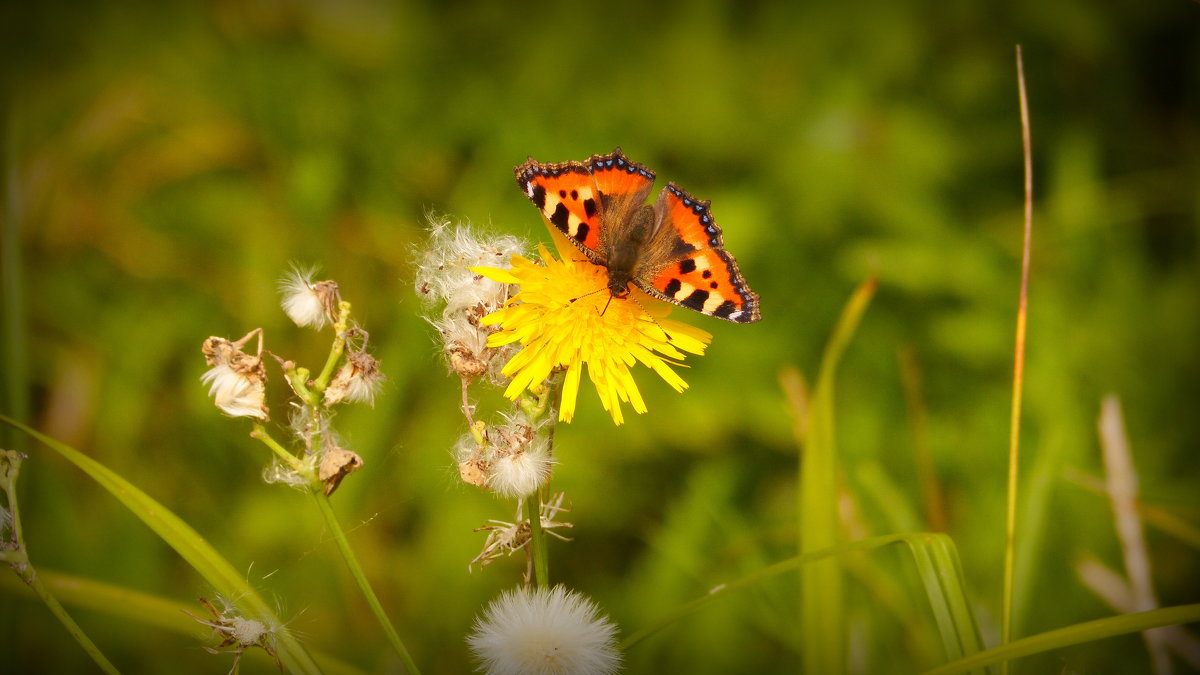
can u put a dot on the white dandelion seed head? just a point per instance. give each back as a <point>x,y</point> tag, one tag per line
<point>443,274</point>
<point>358,380</point>
<point>544,632</point>
<point>520,474</point>
<point>306,302</point>
<point>520,459</point>
<point>465,447</point>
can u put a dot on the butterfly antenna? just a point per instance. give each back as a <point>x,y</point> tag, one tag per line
<point>572,300</point>
<point>651,317</point>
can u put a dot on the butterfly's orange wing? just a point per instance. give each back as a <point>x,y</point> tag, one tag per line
<point>686,262</point>
<point>587,201</point>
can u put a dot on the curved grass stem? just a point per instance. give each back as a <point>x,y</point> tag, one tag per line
<point>1010,520</point>
<point>361,579</point>
<point>18,558</point>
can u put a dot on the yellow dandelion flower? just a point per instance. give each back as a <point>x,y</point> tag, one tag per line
<point>564,317</point>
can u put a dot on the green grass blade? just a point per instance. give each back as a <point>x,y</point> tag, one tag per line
<point>771,571</point>
<point>1089,631</point>
<point>940,570</point>
<point>821,615</point>
<point>209,563</point>
<point>150,610</point>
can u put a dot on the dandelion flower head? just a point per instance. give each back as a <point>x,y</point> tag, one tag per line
<point>549,631</point>
<point>564,317</point>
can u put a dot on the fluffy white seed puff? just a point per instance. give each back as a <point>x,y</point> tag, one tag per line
<point>308,303</point>
<point>521,471</point>
<point>544,632</point>
<point>444,279</point>
<point>237,381</point>
<point>234,393</point>
<point>358,380</point>
<point>443,274</point>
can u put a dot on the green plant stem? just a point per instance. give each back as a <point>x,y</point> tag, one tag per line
<point>546,402</point>
<point>335,352</point>
<point>365,586</point>
<point>18,559</point>
<point>260,432</point>
<point>30,577</point>
<point>298,379</point>
<point>537,539</point>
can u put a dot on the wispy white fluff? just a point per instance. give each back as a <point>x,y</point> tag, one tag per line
<point>519,459</point>
<point>301,300</point>
<point>544,632</point>
<point>443,267</point>
<point>444,280</point>
<point>235,393</point>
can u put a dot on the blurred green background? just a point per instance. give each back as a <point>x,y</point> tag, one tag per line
<point>164,162</point>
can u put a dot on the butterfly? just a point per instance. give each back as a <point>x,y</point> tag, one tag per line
<point>671,249</point>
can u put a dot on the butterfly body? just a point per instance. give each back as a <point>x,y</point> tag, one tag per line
<point>671,249</point>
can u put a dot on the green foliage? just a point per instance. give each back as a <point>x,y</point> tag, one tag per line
<point>163,163</point>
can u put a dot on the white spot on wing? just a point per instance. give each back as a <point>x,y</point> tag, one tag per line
<point>714,301</point>
<point>684,291</point>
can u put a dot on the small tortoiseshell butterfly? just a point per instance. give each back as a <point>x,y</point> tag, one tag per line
<point>672,249</point>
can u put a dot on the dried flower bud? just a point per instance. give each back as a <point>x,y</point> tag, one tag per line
<point>336,465</point>
<point>474,472</point>
<point>309,303</point>
<point>237,380</point>
<point>238,632</point>
<point>358,380</point>
<point>464,362</point>
<point>507,538</point>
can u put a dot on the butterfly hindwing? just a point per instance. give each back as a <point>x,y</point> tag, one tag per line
<point>708,281</point>
<point>686,262</point>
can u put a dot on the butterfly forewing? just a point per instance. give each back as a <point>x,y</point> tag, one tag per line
<point>567,196</point>
<point>623,188</point>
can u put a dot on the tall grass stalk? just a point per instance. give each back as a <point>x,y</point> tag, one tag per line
<point>1010,519</point>
<point>18,558</point>
<point>821,617</point>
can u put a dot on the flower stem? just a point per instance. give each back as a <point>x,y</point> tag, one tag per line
<point>260,432</point>
<point>365,586</point>
<point>537,539</point>
<point>18,558</point>
<point>547,401</point>
<point>335,352</point>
